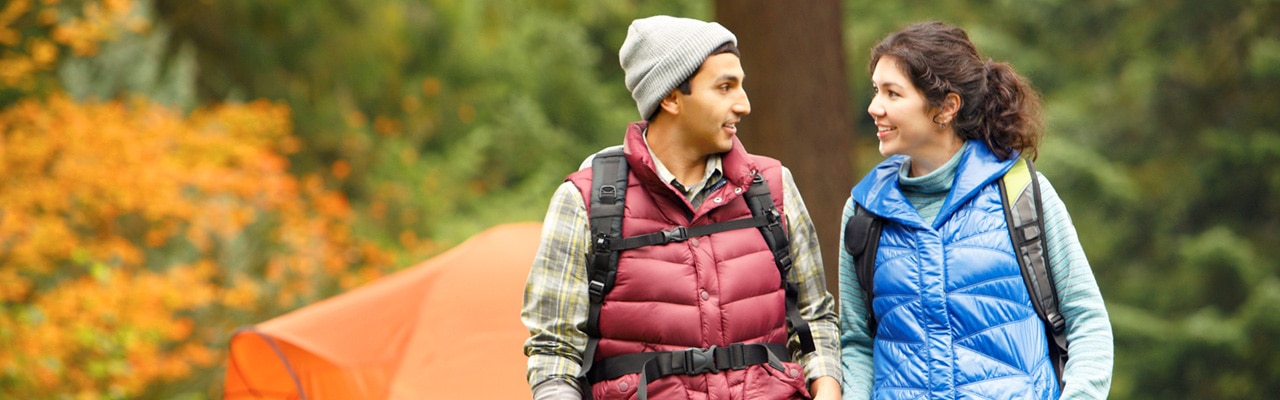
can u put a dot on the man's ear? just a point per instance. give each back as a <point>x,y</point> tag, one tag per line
<point>672,103</point>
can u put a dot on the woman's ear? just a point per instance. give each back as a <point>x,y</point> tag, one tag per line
<point>950,107</point>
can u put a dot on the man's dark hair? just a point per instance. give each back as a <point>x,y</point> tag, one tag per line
<point>727,47</point>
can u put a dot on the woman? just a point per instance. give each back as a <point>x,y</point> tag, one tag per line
<point>953,317</point>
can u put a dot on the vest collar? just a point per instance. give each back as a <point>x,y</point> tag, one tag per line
<point>880,193</point>
<point>736,164</point>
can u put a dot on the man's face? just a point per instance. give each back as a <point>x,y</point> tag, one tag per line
<point>709,114</point>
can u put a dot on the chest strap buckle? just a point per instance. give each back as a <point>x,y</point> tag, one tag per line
<point>677,234</point>
<point>695,361</point>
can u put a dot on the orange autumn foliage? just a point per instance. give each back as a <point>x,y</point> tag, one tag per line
<point>134,239</point>
<point>35,34</point>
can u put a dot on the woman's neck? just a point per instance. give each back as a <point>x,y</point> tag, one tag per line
<point>923,164</point>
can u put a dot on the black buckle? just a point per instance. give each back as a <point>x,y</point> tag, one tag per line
<point>677,234</point>
<point>784,261</point>
<point>601,243</point>
<point>595,289</point>
<point>699,361</point>
<point>773,217</point>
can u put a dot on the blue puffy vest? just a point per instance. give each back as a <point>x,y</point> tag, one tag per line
<point>955,319</point>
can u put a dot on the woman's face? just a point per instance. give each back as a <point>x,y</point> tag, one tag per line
<point>904,121</point>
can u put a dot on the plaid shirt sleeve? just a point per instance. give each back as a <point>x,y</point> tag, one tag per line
<point>815,302</point>
<point>555,296</point>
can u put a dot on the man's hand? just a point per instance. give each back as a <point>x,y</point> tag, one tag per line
<point>825,388</point>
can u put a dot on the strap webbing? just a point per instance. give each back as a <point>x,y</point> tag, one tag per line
<point>775,236</point>
<point>608,199</point>
<point>1024,213</point>
<point>680,233</point>
<point>654,365</point>
<point>736,356</point>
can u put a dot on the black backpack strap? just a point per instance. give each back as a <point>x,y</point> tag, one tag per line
<point>760,201</point>
<point>608,196</point>
<point>861,240</point>
<point>694,361</point>
<point>681,233</point>
<point>1024,212</point>
<point>608,190</point>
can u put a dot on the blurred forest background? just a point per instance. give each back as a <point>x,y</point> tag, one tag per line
<point>173,169</point>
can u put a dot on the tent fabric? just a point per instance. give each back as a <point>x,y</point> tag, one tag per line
<point>444,329</point>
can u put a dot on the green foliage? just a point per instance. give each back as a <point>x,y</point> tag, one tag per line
<point>438,118</point>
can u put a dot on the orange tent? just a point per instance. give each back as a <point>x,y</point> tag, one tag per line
<point>448,328</point>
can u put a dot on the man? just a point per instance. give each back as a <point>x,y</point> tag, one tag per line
<point>695,305</point>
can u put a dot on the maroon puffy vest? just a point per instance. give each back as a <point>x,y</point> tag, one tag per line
<point>716,290</point>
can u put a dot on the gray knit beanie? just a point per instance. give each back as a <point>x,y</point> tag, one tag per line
<point>662,51</point>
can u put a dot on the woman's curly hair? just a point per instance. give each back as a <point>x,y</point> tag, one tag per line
<point>997,105</point>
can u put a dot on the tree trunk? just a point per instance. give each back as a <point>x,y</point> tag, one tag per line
<point>793,55</point>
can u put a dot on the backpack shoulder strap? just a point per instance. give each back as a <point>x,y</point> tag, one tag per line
<point>608,191</point>
<point>608,197</point>
<point>862,240</point>
<point>760,201</point>
<point>1024,213</point>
